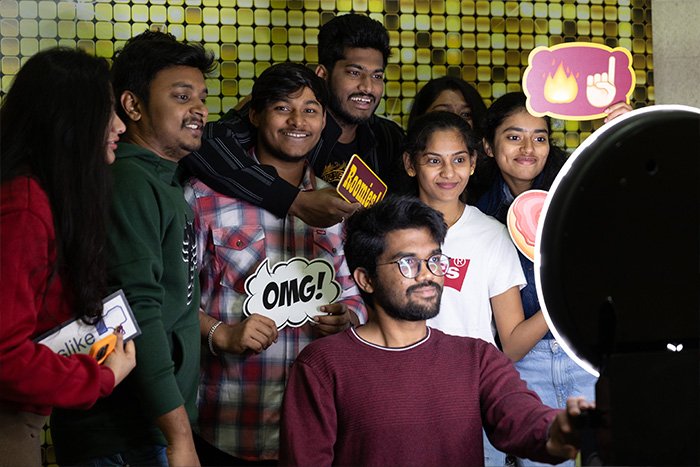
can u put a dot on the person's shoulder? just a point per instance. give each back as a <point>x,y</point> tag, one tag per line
<point>232,118</point>
<point>199,189</point>
<point>24,193</point>
<point>443,338</point>
<point>233,129</point>
<point>467,347</point>
<point>486,221</point>
<point>132,157</point>
<point>131,170</point>
<point>327,349</point>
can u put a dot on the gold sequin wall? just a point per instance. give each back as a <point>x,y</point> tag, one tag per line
<point>485,42</point>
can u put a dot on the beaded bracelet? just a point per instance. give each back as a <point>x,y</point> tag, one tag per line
<point>210,337</point>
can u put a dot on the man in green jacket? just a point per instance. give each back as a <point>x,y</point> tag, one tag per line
<point>160,90</point>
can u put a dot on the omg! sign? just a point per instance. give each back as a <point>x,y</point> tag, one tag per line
<point>290,292</point>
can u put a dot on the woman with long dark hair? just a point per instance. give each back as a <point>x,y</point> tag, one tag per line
<point>519,157</point>
<point>58,131</point>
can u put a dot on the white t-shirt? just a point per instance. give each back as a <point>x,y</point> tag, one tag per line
<point>483,264</point>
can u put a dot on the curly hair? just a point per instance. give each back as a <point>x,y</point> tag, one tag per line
<point>366,229</point>
<point>143,56</point>
<point>282,80</point>
<point>351,31</point>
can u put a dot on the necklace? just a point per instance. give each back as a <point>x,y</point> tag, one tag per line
<point>460,211</point>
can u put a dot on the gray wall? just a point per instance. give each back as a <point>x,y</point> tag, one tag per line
<point>676,43</point>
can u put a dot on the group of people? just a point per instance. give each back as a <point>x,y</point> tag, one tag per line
<point>120,183</point>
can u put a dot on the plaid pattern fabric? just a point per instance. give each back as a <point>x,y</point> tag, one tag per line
<point>240,396</point>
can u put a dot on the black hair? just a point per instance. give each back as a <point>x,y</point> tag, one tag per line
<point>487,171</point>
<point>351,31</point>
<point>282,80</point>
<point>143,56</point>
<point>366,230</point>
<point>422,128</point>
<point>433,88</point>
<point>54,124</point>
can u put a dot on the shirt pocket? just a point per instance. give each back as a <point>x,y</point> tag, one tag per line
<point>238,252</point>
<point>327,243</point>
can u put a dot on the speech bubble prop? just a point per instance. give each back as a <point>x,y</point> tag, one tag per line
<point>292,291</point>
<point>523,217</point>
<point>577,80</point>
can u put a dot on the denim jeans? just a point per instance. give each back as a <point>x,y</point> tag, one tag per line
<point>555,377</point>
<point>151,455</point>
<point>492,456</point>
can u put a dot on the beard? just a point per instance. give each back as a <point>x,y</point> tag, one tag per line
<point>336,107</point>
<point>411,310</point>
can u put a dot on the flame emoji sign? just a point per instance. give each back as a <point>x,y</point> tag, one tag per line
<point>560,88</point>
<point>576,80</point>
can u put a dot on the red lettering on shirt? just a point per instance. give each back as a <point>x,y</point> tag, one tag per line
<point>456,273</point>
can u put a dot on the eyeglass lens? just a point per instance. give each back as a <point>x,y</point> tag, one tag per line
<point>410,266</point>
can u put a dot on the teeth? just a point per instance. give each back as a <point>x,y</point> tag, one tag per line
<point>192,126</point>
<point>295,134</point>
<point>362,99</point>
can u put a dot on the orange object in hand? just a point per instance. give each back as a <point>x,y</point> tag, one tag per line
<point>101,349</point>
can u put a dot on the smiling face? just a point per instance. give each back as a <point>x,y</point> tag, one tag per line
<point>453,101</point>
<point>288,129</point>
<point>520,147</point>
<point>356,84</point>
<point>116,127</point>
<point>442,169</point>
<point>405,299</point>
<point>172,122</point>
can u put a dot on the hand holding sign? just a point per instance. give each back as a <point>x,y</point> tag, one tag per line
<point>600,87</point>
<point>322,208</point>
<point>292,291</point>
<point>122,359</point>
<point>255,333</point>
<point>339,318</point>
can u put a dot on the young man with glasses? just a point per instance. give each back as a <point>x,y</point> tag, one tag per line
<point>396,392</point>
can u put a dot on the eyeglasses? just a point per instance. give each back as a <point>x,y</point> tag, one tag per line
<point>409,266</point>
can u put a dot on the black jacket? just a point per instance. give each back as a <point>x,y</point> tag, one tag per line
<point>223,163</point>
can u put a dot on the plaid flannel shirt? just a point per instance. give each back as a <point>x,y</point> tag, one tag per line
<point>240,396</point>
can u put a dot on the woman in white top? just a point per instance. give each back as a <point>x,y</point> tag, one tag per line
<point>482,284</point>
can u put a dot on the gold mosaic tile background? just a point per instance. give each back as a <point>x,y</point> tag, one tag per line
<point>485,42</point>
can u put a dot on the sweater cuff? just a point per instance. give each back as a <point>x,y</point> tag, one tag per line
<point>107,380</point>
<point>284,195</point>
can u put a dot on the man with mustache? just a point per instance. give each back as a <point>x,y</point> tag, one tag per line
<point>397,392</point>
<point>247,362</point>
<point>160,91</point>
<point>353,51</point>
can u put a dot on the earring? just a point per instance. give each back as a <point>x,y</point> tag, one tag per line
<point>472,172</point>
